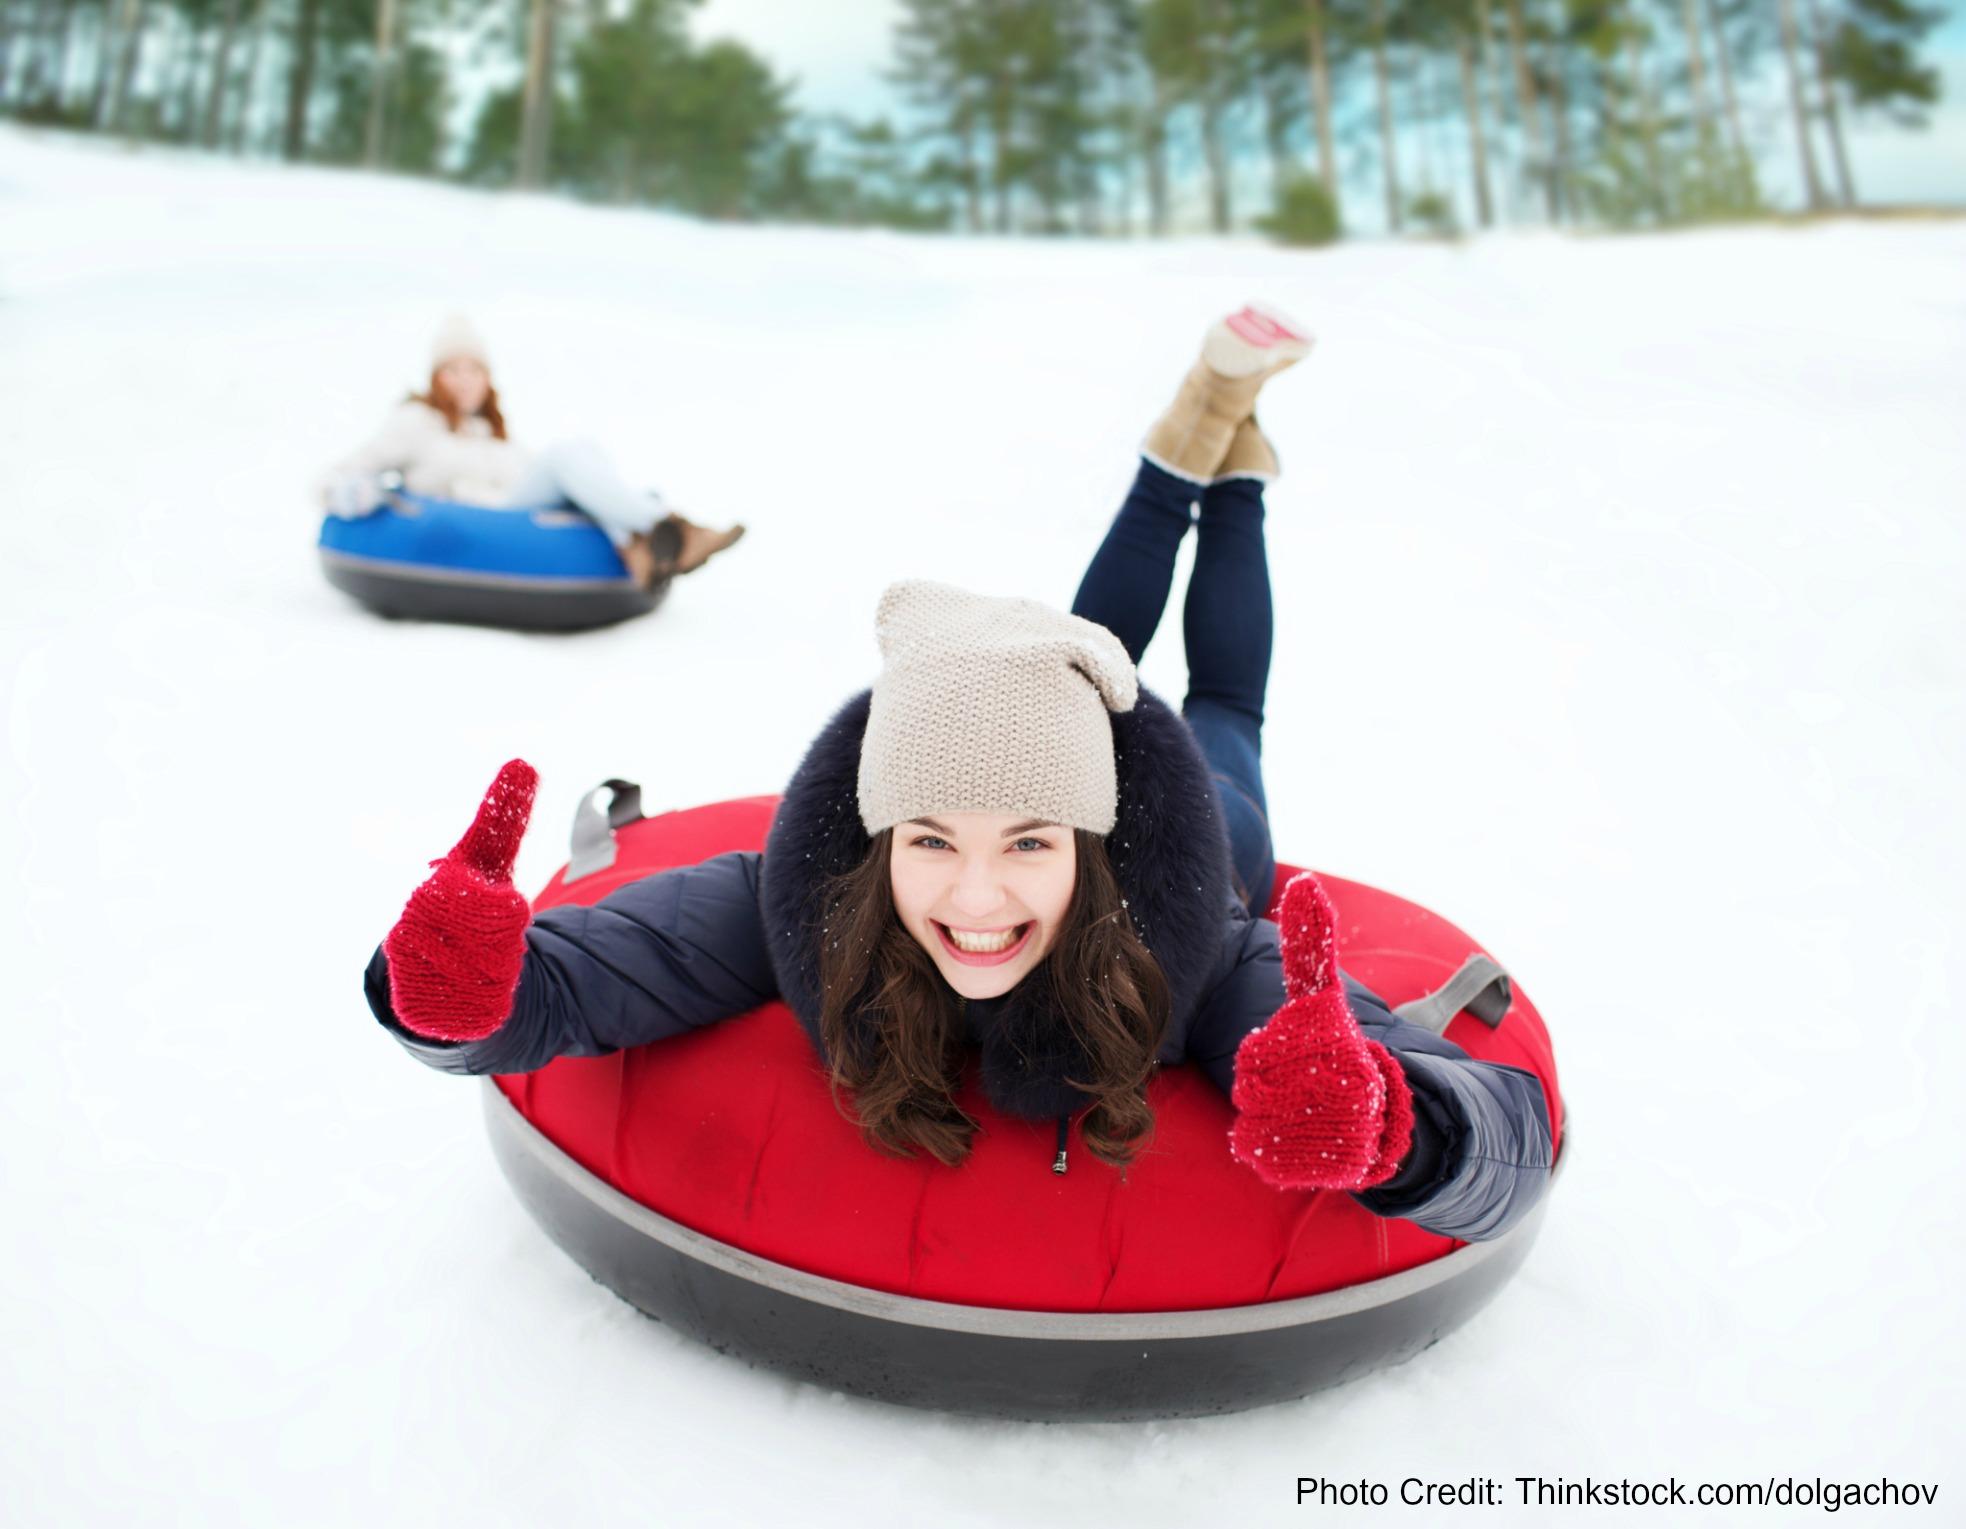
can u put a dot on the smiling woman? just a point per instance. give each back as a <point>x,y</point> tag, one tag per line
<point>1007,849</point>
<point>946,914</point>
<point>1005,885</point>
<point>984,892</point>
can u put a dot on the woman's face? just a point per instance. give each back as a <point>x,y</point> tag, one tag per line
<point>467,383</point>
<point>984,893</point>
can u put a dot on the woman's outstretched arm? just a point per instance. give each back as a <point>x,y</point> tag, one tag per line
<point>470,982</point>
<point>406,435</point>
<point>1479,1152</point>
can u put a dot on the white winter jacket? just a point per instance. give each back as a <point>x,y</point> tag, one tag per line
<point>469,464</point>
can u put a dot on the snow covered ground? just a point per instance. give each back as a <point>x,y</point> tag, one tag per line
<point>1623,619</point>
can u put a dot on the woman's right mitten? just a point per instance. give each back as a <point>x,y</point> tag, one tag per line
<point>456,953</point>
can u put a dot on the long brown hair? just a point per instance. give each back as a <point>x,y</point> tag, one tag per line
<point>438,397</point>
<point>1099,979</point>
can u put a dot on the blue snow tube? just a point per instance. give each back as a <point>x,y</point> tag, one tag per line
<point>539,568</point>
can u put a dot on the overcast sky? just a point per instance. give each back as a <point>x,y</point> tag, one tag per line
<point>838,50</point>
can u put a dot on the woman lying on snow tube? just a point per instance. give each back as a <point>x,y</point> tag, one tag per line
<point>1008,846</point>
<point>449,443</point>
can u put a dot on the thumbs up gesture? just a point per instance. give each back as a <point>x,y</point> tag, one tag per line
<point>1318,1106</point>
<point>456,953</point>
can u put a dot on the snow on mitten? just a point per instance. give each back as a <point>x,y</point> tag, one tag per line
<point>1318,1106</point>
<point>456,953</point>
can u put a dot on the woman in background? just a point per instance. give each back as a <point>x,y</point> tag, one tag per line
<point>450,442</point>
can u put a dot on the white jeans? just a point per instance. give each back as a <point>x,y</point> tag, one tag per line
<point>580,473</point>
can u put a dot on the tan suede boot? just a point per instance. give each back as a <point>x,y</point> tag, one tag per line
<point>1239,354</point>
<point>1250,455</point>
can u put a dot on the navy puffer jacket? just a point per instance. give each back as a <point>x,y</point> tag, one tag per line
<point>691,946</point>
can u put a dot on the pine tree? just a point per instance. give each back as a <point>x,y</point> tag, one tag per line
<point>1873,52</point>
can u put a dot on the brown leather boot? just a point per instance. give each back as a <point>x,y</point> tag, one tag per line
<point>639,557</point>
<point>695,545</point>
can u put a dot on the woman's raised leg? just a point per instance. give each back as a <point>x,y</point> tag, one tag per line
<point>1228,626</point>
<point>653,540</point>
<point>581,473</point>
<point>1126,585</point>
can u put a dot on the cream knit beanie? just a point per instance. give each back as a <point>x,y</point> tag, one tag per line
<point>457,340</point>
<point>991,705</point>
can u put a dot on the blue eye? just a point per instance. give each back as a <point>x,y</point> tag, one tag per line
<point>1033,843</point>
<point>929,841</point>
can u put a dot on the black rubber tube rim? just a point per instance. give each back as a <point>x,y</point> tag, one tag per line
<point>415,593</point>
<point>506,1122</point>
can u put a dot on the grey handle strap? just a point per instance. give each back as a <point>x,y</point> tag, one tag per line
<point>592,847</point>
<point>1480,986</point>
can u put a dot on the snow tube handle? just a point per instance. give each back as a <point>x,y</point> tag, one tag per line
<point>1480,986</point>
<point>592,845</point>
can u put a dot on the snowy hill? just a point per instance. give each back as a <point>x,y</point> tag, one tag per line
<point>1621,618</point>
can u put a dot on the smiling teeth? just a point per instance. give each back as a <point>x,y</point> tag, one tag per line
<point>982,944</point>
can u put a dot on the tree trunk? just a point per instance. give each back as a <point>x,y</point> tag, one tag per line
<point>1648,125</point>
<point>1560,197</point>
<point>972,176</point>
<point>186,117</point>
<point>58,70</point>
<point>1000,108</point>
<point>1477,141</point>
<point>1429,112</point>
<point>249,84</point>
<point>385,36</point>
<point>1276,133</point>
<point>300,80</point>
<point>1737,140</point>
<point>1388,145</point>
<point>1327,154</point>
<point>7,33</point>
<point>1122,189</point>
<point>1491,60</point>
<point>38,79</point>
<point>1812,183</point>
<point>1156,157</point>
<point>1832,117</point>
<point>1525,94</point>
<point>129,33</point>
<point>1215,162</point>
<point>221,65</point>
<point>1705,136</point>
<point>1696,67</point>
<point>1498,88</point>
<point>106,56</point>
<point>536,112</point>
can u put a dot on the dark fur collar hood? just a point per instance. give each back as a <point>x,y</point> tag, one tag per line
<point>1170,853</point>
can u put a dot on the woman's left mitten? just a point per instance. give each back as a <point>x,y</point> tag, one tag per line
<point>351,496</point>
<point>456,953</point>
<point>1318,1105</point>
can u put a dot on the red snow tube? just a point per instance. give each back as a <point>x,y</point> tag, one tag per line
<point>731,1134</point>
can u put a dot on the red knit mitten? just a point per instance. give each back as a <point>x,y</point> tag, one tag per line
<point>455,954</point>
<point>1318,1106</point>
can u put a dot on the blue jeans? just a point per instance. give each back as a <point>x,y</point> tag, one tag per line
<point>582,474</point>
<point>1226,623</point>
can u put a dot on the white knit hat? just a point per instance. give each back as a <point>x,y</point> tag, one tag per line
<point>457,340</point>
<point>991,705</point>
